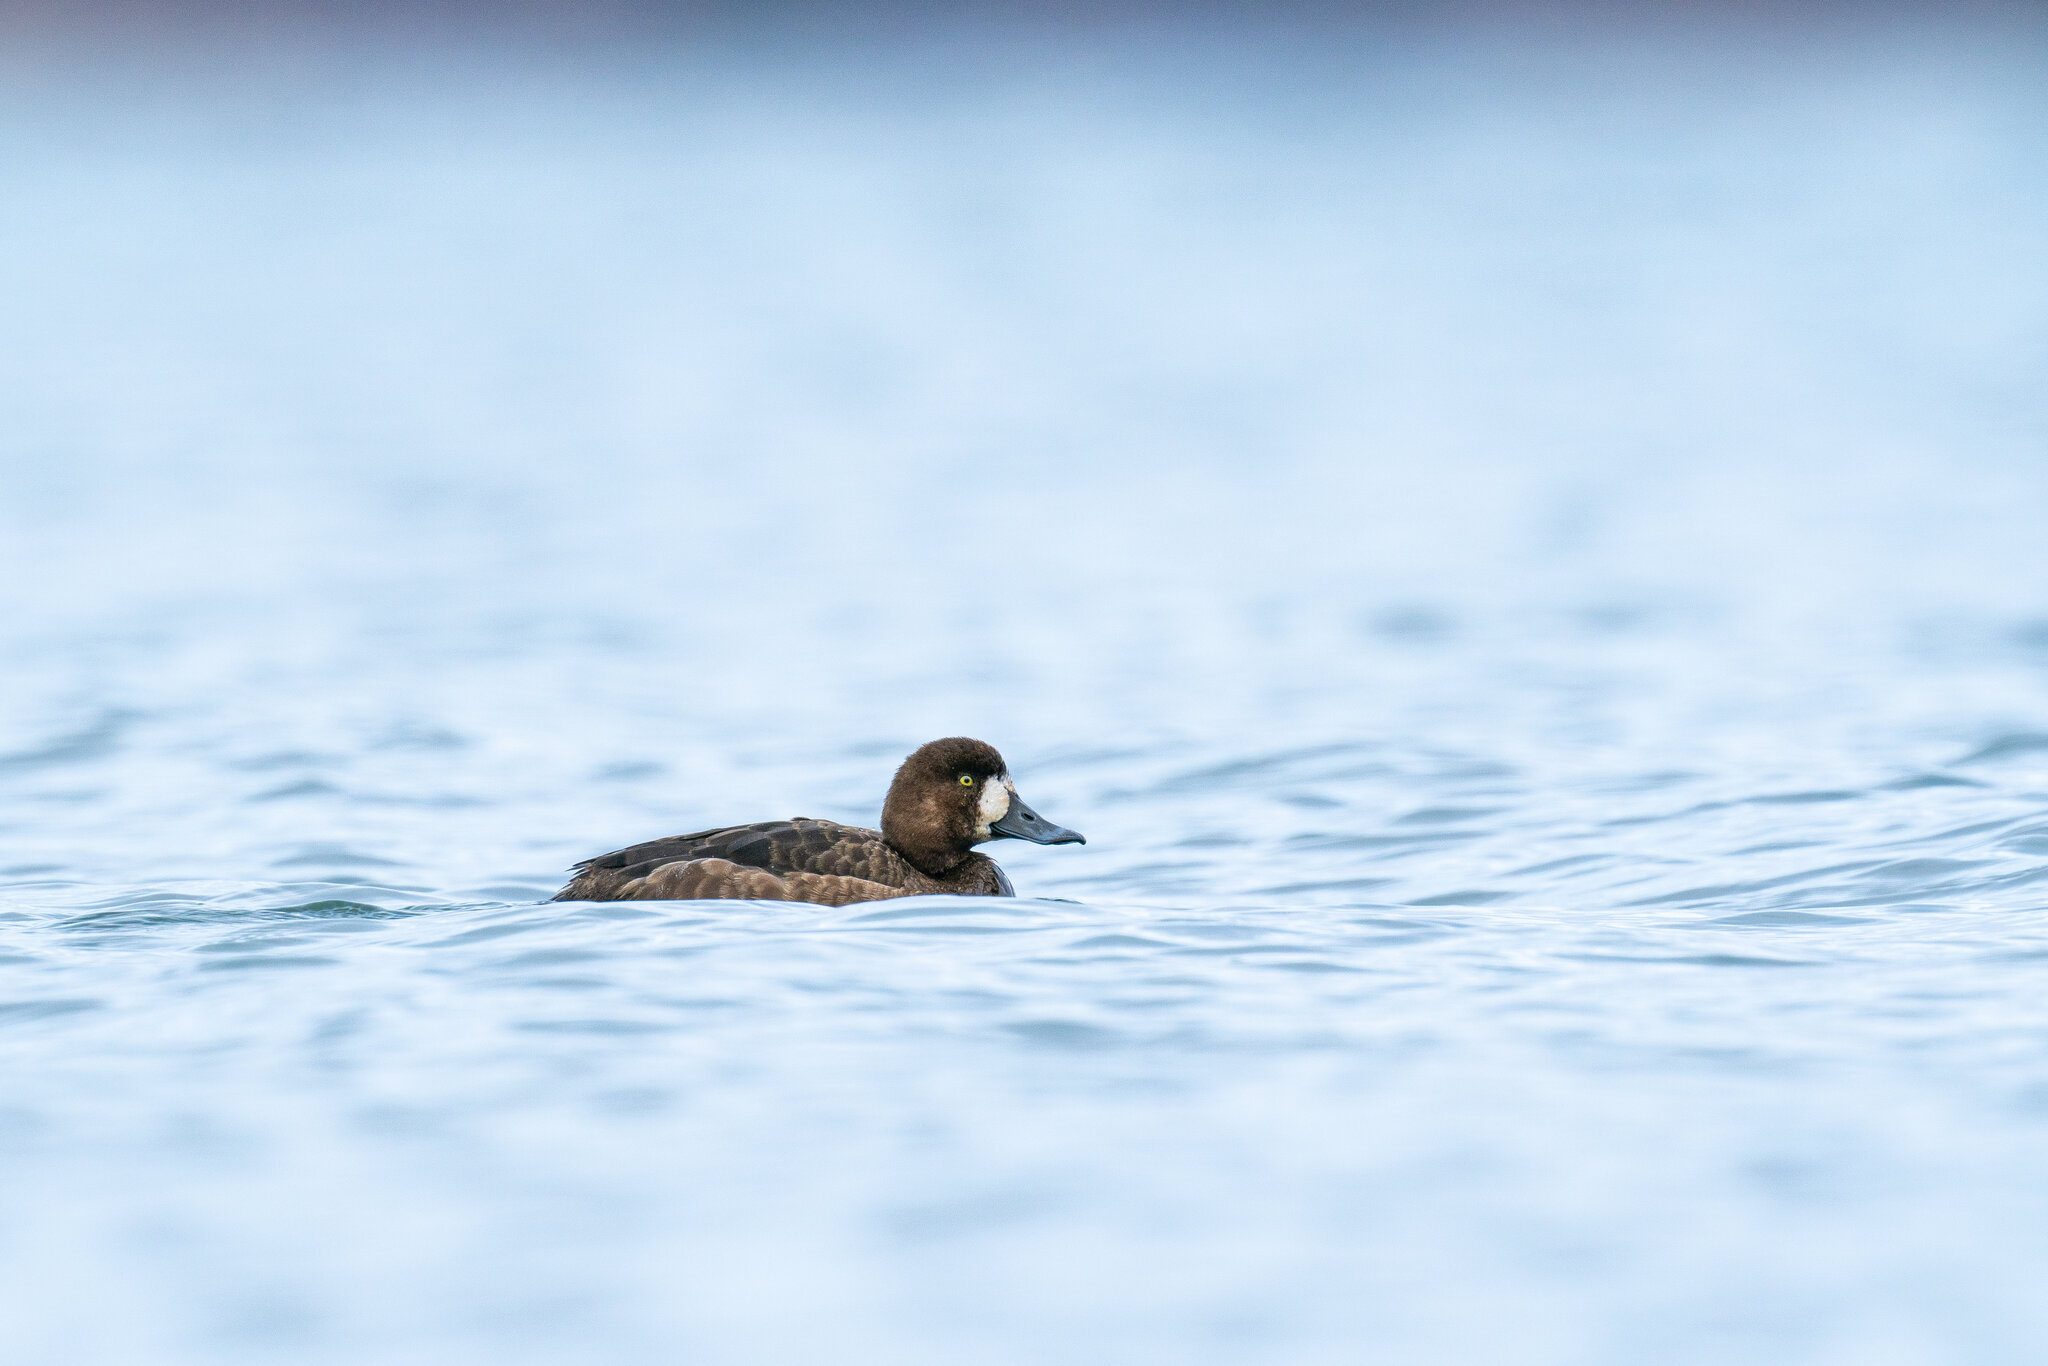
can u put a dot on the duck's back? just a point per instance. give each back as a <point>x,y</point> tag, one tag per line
<point>800,859</point>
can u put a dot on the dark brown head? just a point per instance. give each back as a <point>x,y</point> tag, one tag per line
<point>951,795</point>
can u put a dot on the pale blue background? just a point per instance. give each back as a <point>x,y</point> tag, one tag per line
<point>1523,550</point>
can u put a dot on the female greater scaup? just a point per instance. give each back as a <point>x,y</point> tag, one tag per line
<point>949,796</point>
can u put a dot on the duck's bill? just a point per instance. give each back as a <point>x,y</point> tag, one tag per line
<point>1022,823</point>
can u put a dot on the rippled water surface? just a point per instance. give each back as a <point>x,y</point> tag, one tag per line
<point>1533,586</point>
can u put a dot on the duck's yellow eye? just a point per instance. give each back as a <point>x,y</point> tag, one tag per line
<point>967,780</point>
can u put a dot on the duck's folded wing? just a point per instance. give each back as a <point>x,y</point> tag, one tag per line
<point>781,848</point>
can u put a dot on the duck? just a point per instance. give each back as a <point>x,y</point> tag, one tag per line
<point>947,797</point>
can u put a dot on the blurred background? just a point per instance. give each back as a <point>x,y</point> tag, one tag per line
<point>1516,531</point>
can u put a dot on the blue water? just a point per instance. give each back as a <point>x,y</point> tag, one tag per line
<point>1526,564</point>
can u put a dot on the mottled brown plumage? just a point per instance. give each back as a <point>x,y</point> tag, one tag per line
<point>948,796</point>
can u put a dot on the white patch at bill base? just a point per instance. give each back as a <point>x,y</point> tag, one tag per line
<point>996,796</point>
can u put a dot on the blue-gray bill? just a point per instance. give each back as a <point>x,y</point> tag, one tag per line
<point>1020,822</point>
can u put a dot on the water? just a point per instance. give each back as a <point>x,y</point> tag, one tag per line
<point>1527,567</point>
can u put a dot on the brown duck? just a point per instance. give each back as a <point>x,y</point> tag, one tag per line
<point>949,796</point>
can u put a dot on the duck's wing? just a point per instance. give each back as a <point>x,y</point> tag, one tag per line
<point>792,849</point>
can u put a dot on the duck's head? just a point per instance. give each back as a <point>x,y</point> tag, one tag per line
<point>951,795</point>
